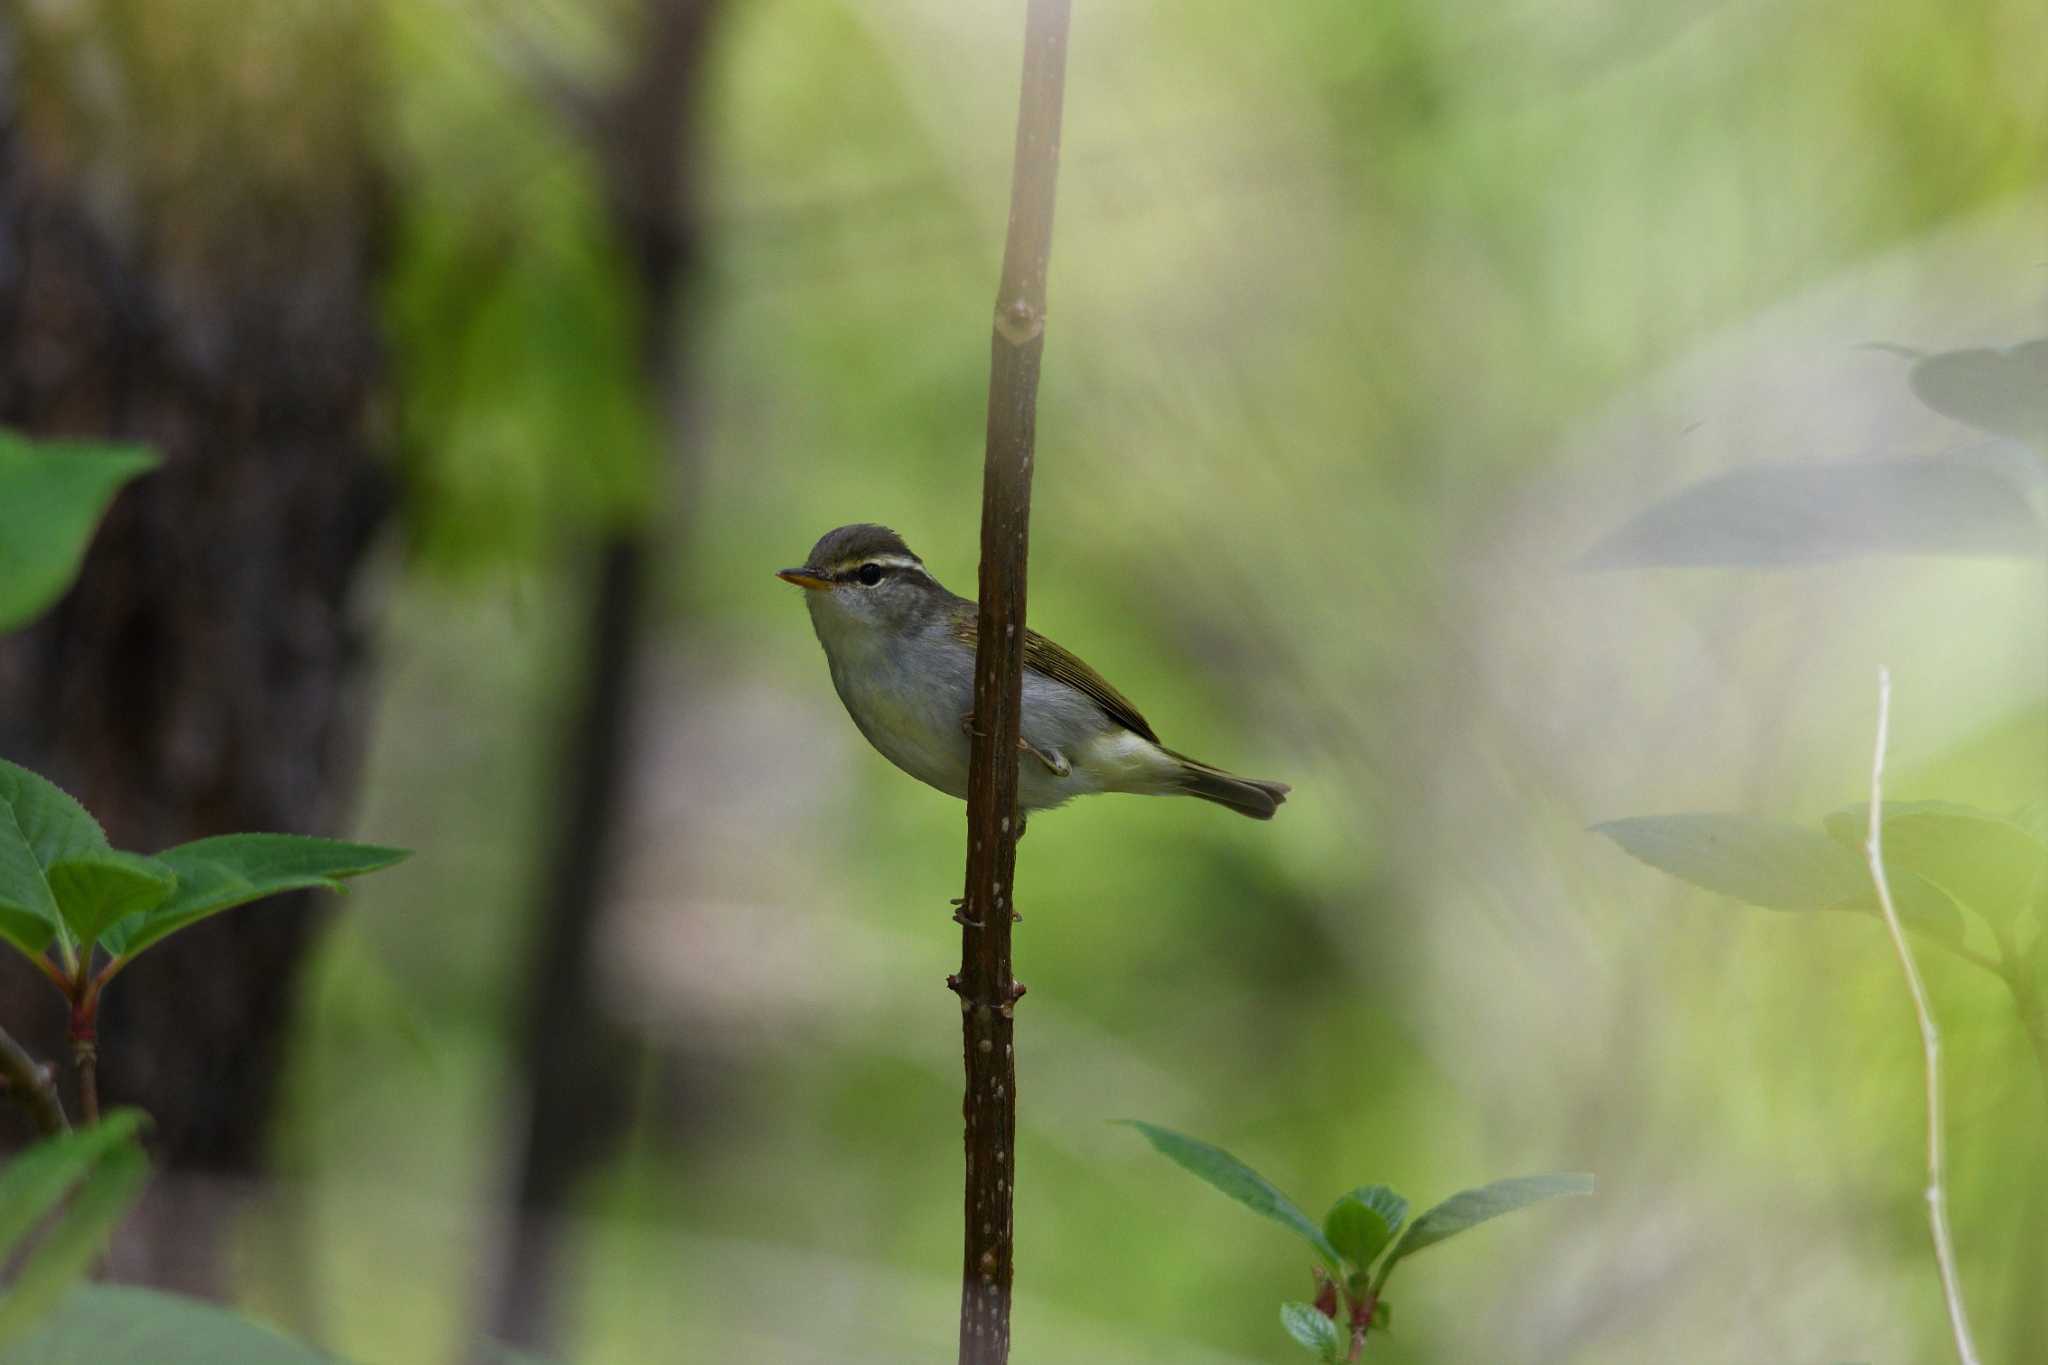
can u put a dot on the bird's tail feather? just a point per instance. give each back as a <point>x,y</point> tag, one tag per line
<point>1245,795</point>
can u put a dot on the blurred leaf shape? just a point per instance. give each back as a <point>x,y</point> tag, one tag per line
<point>1362,1223</point>
<point>1307,1325</point>
<point>228,870</point>
<point>105,1322</point>
<point>1469,1208</point>
<point>1768,863</point>
<point>52,494</point>
<point>2002,392</point>
<point>1980,502</point>
<point>1240,1182</point>
<point>1993,864</point>
<point>74,1187</point>
<point>1776,865</point>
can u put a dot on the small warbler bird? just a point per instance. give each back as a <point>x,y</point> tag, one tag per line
<point>901,650</point>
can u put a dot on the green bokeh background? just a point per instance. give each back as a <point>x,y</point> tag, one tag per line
<point>1366,321</point>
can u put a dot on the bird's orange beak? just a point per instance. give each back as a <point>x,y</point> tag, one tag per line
<point>804,578</point>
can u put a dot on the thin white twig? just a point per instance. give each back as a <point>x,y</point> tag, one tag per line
<point>1930,1039</point>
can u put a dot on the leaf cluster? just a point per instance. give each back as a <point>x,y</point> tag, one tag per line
<point>1363,1237</point>
<point>63,884</point>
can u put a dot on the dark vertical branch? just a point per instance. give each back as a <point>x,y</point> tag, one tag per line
<point>986,987</point>
<point>573,1058</point>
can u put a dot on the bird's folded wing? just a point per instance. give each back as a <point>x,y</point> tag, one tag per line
<point>1043,656</point>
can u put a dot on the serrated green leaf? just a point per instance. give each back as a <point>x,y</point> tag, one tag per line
<point>233,869</point>
<point>1309,1327</point>
<point>1240,1182</point>
<point>107,1322</point>
<point>54,824</point>
<point>28,912</point>
<point>95,889</point>
<point>1989,863</point>
<point>63,1255</point>
<point>1767,863</point>
<point>1469,1208</point>
<point>36,1179</point>
<point>52,495</point>
<point>1362,1223</point>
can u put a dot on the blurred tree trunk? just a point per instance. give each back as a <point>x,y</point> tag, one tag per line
<point>187,241</point>
<point>576,1066</point>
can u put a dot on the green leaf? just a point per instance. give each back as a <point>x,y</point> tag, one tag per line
<point>68,1250</point>
<point>1776,866</point>
<point>54,824</point>
<point>105,1322</point>
<point>51,497</point>
<point>35,1180</point>
<point>102,1171</point>
<point>1224,1171</point>
<point>1362,1223</point>
<point>56,869</point>
<point>1993,864</point>
<point>95,889</point>
<point>1469,1208</point>
<point>28,911</point>
<point>1308,1326</point>
<point>233,869</point>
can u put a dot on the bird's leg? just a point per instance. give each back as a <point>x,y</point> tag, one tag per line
<point>1055,762</point>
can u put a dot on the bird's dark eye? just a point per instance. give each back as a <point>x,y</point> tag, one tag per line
<point>870,574</point>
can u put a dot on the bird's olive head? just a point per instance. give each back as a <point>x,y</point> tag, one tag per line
<point>864,574</point>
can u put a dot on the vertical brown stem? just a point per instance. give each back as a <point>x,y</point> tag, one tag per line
<point>85,1042</point>
<point>87,1054</point>
<point>986,987</point>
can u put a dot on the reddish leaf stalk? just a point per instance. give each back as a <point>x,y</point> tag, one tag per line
<point>987,988</point>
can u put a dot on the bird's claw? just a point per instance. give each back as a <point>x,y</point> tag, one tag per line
<point>1056,762</point>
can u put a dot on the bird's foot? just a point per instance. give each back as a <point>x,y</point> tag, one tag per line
<point>1056,761</point>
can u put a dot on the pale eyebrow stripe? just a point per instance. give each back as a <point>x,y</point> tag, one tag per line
<point>885,561</point>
